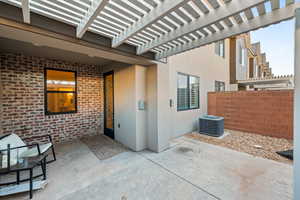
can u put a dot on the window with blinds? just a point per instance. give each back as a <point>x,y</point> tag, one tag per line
<point>187,92</point>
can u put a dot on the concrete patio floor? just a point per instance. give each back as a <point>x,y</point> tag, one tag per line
<point>188,170</point>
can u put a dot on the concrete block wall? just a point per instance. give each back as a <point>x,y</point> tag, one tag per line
<point>22,99</point>
<point>268,113</point>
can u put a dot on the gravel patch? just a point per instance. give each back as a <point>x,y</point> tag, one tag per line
<point>254,144</point>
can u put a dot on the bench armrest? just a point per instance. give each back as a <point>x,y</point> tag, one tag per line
<point>19,147</point>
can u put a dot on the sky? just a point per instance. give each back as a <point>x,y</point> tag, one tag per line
<point>277,41</point>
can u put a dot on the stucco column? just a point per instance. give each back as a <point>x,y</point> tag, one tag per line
<point>297,109</point>
<point>158,108</point>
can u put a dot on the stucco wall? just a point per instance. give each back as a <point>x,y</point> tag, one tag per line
<point>124,104</point>
<point>164,111</point>
<point>130,123</point>
<point>202,62</point>
<point>158,109</point>
<point>141,114</point>
<point>152,112</point>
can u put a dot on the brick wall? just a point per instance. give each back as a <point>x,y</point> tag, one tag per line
<point>22,102</point>
<point>267,113</point>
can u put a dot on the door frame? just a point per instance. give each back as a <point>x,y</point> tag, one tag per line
<point>107,132</point>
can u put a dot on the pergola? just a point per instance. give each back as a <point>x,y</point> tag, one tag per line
<point>169,27</point>
<point>166,27</point>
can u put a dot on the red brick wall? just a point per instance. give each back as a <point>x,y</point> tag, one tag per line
<point>267,113</point>
<point>22,80</point>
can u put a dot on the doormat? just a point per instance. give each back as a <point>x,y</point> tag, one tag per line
<point>104,147</point>
<point>287,154</point>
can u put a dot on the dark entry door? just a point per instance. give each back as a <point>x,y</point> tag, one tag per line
<point>109,104</point>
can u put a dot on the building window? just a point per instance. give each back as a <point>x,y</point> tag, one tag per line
<point>242,55</point>
<point>219,86</point>
<point>254,69</point>
<point>220,48</point>
<point>187,92</point>
<point>60,92</point>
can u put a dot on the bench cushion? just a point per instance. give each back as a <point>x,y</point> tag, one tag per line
<point>14,141</point>
<point>34,151</point>
<point>4,161</point>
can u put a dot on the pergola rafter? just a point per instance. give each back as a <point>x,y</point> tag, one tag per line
<point>157,13</point>
<point>230,9</point>
<point>256,23</point>
<point>96,7</point>
<point>26,11</point>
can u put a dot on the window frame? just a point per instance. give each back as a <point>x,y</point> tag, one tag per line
<point>189,95</point>
<point>46,92</point>
<point>218,83</point>
<point>220,48</point>
<point>242,56</point>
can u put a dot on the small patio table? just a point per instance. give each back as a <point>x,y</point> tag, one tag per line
<point>25,164</point>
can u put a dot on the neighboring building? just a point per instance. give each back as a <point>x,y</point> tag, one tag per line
<point>246,61</point>
<point>250,69</point>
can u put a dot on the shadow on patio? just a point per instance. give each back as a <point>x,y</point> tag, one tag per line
<point>189,169</point>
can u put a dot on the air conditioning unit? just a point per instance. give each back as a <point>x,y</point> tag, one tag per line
<point>211,125</point>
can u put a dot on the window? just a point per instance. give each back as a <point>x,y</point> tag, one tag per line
<point>220,48</point>
<point>60,92</point>
<point>219,86</point>
<point>187,92</point>
<point>254,68</point>
<point>182,92</point>
<point>242,55</point>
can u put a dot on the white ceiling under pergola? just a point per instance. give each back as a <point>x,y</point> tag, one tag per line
<point>166,27</point>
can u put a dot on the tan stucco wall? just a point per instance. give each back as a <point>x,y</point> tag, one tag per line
<point>138,127</point>
<point>141,114</point>
<point>158,109</point>
<point>164,123</point>
<point>124,100</point>
<point>152,128</point>
<point>124,104</point>
<point>152,112</point>
<point>202,62</point>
